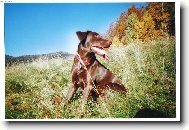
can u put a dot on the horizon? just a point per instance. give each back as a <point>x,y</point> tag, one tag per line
<point>34,29</point>
<point>40,54</point>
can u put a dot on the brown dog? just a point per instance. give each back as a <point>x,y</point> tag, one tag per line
<point>87,72</point>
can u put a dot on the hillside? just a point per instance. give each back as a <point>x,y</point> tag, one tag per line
<point>37,89</point>
<point>9,60</point>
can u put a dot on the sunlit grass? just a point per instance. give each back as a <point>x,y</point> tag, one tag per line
<point>37,90</point>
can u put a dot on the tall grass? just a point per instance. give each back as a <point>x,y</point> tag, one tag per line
<point>37,90</point>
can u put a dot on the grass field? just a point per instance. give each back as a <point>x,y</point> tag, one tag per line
<point>37,90</point>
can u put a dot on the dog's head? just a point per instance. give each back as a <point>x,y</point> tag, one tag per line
<point>93,42</point>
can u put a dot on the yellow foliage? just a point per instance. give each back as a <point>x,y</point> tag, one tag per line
<point>144,28</point>
<point>154,21</point>
<point>116,40</point>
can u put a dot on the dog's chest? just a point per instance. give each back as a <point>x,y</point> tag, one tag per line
<point>84,75</point>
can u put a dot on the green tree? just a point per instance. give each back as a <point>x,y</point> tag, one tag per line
<point>144,28</point>
<point>131,31</point>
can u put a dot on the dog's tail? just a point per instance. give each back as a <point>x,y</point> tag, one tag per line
<point>117,87</point>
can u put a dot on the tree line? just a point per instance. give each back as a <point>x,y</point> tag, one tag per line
<point>154,21</point>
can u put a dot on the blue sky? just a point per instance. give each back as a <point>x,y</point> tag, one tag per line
<point>45,28</point>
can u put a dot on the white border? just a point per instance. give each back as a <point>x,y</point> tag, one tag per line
<point>101,119</point>
<point>177,27</point>
<point>2,62</point>
<point>84,1</point>
<point>2,58</point>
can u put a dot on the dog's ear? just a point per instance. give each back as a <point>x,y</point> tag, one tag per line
<point>81,35</point>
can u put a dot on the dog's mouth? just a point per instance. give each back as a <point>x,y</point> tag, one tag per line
<point>100,51</point>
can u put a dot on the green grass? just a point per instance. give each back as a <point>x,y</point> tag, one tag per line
<point>37,90</point>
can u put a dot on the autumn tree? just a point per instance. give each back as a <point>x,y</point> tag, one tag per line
<point>131,31</point>
<point>163,16</point>
<point>156,20</point>
<point>110,33</point>
<point>137,11</point>
<point>144,28</point>
<point>120,26</point>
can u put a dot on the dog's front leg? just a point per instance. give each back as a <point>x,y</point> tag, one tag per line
<point>73,88</point>
<point>86,93</point>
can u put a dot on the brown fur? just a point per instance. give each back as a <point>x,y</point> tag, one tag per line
<point>101,76</point>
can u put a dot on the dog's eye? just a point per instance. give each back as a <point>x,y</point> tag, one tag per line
<point>97,36</point>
